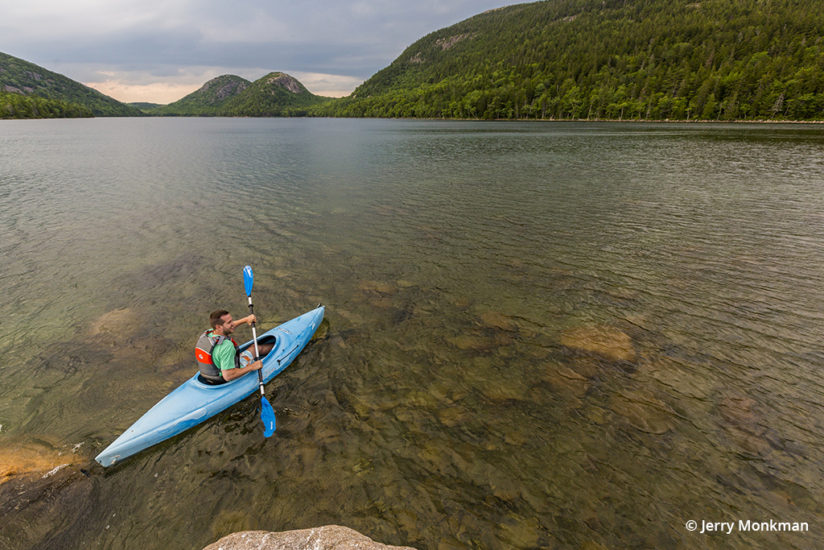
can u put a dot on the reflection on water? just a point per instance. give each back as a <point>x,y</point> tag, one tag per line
<point>537,335</point>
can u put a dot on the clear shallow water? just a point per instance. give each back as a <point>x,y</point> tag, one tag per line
<point>452,398</point>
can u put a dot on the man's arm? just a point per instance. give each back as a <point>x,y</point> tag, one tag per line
<point>248,320</point>
<point>231,374</point>
<point>224,356</point>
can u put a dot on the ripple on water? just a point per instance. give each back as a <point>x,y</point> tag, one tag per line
<point>537,335</point>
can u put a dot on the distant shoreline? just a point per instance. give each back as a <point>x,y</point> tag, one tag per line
<point>598,120</point>
<point>645,121</point>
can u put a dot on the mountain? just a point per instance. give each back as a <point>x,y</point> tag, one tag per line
<point>206,101</point>
<point>613,59</point>
<point>276,94</point>
<point>25,86</point>
<point>144,106</point>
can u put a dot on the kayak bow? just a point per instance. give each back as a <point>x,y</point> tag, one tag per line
<point>193,402</point>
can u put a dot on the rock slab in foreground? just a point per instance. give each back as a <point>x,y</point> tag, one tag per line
<point>329,537</point>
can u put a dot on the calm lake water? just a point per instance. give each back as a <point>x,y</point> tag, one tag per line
<point>555,335</point>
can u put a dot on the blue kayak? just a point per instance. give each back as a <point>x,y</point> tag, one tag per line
<point>193,401</point>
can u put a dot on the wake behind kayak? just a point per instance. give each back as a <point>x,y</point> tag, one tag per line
<point>194,402</point>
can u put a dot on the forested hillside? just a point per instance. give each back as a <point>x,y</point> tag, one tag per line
<point>615,59</point>
<point>21,106</point>
<point>47,94</point>
<point>276,94</point>
<point>207,100</point>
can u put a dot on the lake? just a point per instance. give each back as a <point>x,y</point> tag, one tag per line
<point>537,335</point>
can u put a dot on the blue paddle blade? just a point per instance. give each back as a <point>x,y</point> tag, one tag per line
<point>267,415</point>
<point>248,279</point>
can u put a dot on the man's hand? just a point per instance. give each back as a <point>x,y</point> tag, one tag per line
<point>231,374</point>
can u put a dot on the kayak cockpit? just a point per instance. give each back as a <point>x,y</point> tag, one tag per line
<point>264,340</point>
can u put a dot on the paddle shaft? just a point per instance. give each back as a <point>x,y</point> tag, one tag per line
<point>254,339</point>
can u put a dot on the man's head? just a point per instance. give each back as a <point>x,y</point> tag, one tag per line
<point>221,322</point>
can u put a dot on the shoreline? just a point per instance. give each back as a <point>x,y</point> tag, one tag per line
<point>445,119</point>
<point>611,120</point>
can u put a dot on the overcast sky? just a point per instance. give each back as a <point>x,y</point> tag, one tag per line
<point>161,50</point>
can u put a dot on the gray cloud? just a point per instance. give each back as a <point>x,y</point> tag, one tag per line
<point>171,40</point>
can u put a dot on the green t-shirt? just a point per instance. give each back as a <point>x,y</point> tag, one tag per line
<point>223,355</point>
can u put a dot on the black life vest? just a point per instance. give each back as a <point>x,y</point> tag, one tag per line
<point>203,354</point>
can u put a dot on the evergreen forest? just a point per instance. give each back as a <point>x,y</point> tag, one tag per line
<point>21,106</point>
<point>610,59</point>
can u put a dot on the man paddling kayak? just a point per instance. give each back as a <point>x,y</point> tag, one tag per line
<point>217,354</point>
<point>193,402</point>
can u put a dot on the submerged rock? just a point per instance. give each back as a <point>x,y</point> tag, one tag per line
<point>644,412</point>
<point>473,342</point>
<point>508,388</point>
<point>483,341</point>
<point>520,532</point>
<point>496,320</point>
<point>603,340</point>
<point>30,459</point>
<point>566,381</point>
<point>114,322</point>
<point>680,377</point>
<point>39,491</point>
<point>739,410</point>
<point>453,416</point>
<point>329,537</point>
<point>380,287</point>
<point>743,424</point>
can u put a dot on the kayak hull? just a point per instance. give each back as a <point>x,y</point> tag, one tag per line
<point>194,402</point>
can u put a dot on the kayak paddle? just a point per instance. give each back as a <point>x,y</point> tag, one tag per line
<point>267,414</point>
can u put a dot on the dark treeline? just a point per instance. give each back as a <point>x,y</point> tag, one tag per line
<point>21,106</point>
<point>612,59</point>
